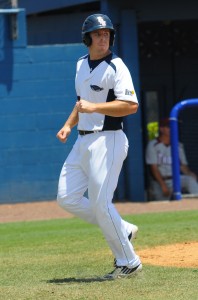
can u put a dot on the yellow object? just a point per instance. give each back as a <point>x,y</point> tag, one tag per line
<point>153,130</point>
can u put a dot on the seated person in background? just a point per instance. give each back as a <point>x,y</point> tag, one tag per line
<point>158,158</point>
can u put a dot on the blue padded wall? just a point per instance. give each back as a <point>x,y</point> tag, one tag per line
<point>36,96</point>
<point>31,112</point>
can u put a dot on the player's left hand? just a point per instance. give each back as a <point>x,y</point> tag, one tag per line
<point>84,106</point>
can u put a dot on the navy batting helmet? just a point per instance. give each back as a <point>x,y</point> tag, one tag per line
<point>94,22</point>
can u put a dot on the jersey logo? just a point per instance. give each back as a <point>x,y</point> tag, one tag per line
<point>96,88</point>
<point>101,21</point>
<point>129,93</point>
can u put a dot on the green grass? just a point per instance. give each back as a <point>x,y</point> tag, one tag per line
<point>63,259</point>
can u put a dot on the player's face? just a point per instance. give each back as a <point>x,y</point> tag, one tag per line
<point>100,40</point>
<point>165,130</point>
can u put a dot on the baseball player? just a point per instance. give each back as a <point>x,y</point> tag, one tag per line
<point>158,157</point>
<point>105,94</point>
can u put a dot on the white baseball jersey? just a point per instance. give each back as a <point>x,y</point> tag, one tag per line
<point>108,81</point>
<point>159,154</point>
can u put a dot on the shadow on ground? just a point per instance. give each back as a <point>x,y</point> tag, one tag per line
<point>75,280</point>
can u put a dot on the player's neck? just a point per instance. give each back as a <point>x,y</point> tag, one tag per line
<point>165,139</point>
<point>97,55</point>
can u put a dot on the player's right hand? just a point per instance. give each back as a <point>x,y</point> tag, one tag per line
<point>166,191</point>
<point>63,134</point>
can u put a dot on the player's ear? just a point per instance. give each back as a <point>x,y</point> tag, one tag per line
<point>87,39</point>
<point>112,38</point>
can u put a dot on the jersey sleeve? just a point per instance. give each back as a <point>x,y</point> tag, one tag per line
<point>151,155</point>
<point>123,84</point>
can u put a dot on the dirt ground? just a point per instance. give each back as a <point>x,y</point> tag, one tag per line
<point>177,255</point>
<point>183,255</point>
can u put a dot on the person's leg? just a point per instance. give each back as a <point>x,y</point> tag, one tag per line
<point>72,185</point>
<point>106,158</point>
<point>157,192</point>
<point>189,183</point>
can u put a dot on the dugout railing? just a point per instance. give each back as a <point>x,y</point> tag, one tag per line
<point>174,114</point>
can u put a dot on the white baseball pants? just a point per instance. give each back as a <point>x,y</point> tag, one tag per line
<point>95,163</point>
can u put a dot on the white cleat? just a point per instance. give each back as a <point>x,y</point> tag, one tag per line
<point>134,231</point>
<point>123,272</point>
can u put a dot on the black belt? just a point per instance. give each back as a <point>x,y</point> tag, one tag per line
<point>84,132</point>
<point>167,177</point>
